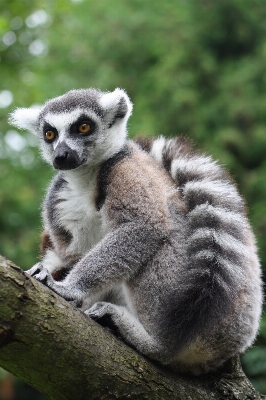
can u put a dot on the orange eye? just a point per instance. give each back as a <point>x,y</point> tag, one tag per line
<point>50,135</point>
<point>84,128</point>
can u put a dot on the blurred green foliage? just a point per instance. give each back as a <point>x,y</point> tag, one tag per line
<point>191,67</point>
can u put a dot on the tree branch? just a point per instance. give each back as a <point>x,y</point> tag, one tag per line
<point>58,350</point>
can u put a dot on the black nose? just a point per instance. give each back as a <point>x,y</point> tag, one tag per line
<point>61,156</point>
<point>65,158</point>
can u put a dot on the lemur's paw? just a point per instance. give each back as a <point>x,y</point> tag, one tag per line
<point>36,269</point>
<point>41,274</point>
<point>107,315</point>
<point>98,310</point>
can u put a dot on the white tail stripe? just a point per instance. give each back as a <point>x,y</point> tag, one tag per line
<point>218,212</point>
<point>221,193</point>
<point>234,271</point>
<point>198,166</point>
<point>227,242</point>
<point>157,149</point>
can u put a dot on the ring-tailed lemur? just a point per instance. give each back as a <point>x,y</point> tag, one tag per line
<point>151,234</point>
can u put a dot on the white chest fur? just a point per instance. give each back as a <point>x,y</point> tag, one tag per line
<point>77,212</point>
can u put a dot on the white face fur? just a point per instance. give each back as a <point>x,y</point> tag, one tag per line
<point>60,123</point>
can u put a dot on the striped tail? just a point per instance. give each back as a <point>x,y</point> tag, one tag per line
<point>216,236</point>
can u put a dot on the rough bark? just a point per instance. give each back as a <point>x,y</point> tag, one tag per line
<point>65,355</point>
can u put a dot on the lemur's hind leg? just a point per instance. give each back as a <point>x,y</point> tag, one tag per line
<point>131,330</point>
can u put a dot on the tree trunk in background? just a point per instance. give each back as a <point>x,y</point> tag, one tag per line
<point>65,355</point>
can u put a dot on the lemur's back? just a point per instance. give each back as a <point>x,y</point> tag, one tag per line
<point>152,235</point>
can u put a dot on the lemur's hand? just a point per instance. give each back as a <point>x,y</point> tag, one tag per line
<point>36,269</point>
<point>41,274</point>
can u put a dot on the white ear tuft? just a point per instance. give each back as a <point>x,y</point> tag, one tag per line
<point>117,105</point>
<point>25,118</point>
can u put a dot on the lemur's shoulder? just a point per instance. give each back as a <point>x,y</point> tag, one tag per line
<point>133,185</point>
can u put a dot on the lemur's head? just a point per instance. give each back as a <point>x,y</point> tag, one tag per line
<point>82,127</point>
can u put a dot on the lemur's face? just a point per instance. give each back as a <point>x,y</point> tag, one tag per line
<point>82,127</point>
<point>70,135</point>
<point>69,138</point>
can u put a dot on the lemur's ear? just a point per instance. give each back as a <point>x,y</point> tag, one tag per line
<point>25,118</point>
<point>117,106</point>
